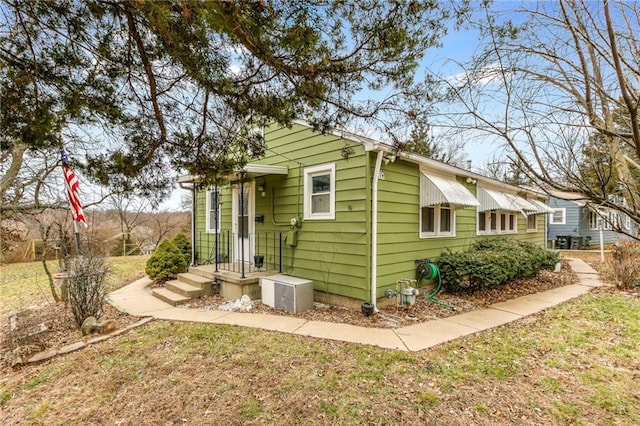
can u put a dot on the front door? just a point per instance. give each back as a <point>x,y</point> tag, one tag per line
<point>243,210</point>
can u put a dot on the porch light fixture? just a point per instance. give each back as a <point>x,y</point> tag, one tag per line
<point>471,180</point>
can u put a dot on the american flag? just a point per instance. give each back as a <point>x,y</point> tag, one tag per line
<point>72,184</point>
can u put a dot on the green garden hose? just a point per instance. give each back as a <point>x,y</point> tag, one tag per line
<point>431,272</point>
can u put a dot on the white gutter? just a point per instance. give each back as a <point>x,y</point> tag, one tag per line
<point>374,231</point>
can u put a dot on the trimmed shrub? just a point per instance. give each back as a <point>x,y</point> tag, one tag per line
<point>166,262</point>
<point>491,262</point>
<point>183,244</point>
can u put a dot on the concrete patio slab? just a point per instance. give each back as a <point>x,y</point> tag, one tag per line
<point>426,335</point>
<point>382,337</point>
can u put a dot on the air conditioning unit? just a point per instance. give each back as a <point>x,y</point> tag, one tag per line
<point>288,293</point>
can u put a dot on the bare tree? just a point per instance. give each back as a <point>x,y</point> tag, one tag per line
<point>558,84</point>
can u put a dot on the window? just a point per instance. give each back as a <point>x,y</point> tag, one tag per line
<point>497,222</point>
<point>214,215</point>
<point>482,222</point>
<point>493,221</point>
<point>319,192</point>
<point>596,220</point>
<point>437,221</point>
<point>558,217</point>
<point>532,222</point>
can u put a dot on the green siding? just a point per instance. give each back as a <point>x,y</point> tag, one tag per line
<point>399,242</point>
<point>335,254</point>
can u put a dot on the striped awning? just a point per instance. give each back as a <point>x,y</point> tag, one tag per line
<point>541,207</point>
<point>441,190</point>
<point>496,200</point>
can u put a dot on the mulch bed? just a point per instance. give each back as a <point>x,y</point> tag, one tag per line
<point>392,316</point>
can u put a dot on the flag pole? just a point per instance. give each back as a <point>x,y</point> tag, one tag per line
<point>75,206</point>
<point>76,229</point>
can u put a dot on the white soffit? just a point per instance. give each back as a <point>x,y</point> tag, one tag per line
<point>441,190</point>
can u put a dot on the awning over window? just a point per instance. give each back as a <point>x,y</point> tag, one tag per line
<point>496,200</point>
<point>541,207</point>
<point>441,190</point>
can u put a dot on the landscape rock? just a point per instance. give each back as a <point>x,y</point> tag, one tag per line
<point>89,325</point>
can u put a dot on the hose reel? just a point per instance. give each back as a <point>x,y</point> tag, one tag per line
<point>426,270</point>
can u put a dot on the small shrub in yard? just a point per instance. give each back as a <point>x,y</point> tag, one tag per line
<point>166,262</point>
<point>86,290</point>
<point>183,244</point>
<point>491,262</point>
<point>625,264</point>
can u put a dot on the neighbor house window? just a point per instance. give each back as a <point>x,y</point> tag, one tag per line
<point>558,217</point>
<point>596,220</point>
<point>214,215</point>
<point>319,192</point>
<point>532,222</point>
<point>497,222</point>
<point>437,221</point>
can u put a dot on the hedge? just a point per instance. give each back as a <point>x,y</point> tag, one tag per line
<point>491,262</point>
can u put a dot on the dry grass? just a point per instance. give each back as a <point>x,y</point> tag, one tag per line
<point>570,365</point>
<point>26,284</point>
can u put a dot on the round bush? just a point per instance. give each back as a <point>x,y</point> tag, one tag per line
<point>166,262</point>
<point>183,244</point>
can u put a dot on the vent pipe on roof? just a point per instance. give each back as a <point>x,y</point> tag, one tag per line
<point>469,165</point>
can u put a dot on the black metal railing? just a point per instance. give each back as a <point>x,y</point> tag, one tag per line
<point>255,252</point>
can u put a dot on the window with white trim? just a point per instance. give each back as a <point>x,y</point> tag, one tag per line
<point>214,215</point>
<point>532,223</point>
<point>437,221</point>
<point>558,217</point>
<point>596,220</point>
<point>319,192</point>
<point>497,222</point>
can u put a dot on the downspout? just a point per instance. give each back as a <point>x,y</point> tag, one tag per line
<point>374,231</point>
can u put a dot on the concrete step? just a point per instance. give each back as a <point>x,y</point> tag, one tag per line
<point>184,289</point>
<point>194,279</point>
<point>170,297</point>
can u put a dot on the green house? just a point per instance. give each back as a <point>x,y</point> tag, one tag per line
<point>348,213</point>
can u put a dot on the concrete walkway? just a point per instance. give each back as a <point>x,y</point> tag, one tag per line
<point>135,299</point>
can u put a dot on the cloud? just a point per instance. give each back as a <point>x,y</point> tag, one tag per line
<point>491,73</point>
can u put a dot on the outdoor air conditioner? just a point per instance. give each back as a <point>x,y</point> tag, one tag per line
<point>289,293</point>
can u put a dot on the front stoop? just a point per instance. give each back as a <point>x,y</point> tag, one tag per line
<point>183,289</point>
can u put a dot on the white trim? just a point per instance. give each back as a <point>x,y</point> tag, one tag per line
<point>508,214</point>
<point>437,222</point>
<point>208,211</point>
<point>249,190</point>
<point>564,216</point>
<point>309,173</point>
<point>535,218</point>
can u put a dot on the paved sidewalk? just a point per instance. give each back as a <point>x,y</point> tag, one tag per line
<point>135,299</point>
